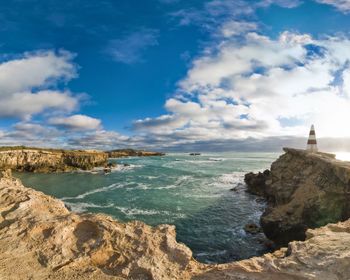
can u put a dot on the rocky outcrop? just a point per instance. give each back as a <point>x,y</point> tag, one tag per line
<point>41,239</point>
<point>49,160</point>
<point>256,183</point>
<point>132,153</point>
<point>304,190</point>
<point>325,255</point>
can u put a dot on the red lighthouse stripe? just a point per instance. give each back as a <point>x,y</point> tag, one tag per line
<point>312,142</point>
<point>312,132</point>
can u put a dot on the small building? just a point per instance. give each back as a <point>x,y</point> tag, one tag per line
<point>312,142</point>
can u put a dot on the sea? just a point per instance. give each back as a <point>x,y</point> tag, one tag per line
<point>203,196</point>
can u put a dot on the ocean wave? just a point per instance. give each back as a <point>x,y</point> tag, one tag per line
<point>213,195</point>
<point>117,168</point>
<point>80,207</point>
<point>212,254</point>
<point>103,189</point>
<point>217,159</point>
<point>227,180</point>
<point>143,212</point>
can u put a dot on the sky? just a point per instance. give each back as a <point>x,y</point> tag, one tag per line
<point>174,75</point>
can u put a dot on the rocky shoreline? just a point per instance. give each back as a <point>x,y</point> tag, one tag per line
<point>57,160</point>
<point>132,153</point>
<point>41,239</point>
<point>50,160</point>
<point>303,190</point>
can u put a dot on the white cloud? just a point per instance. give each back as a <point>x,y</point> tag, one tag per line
<point>102,139</point>
<point>234,28</point>
<point>260,87</point>
<point>213,14</point>
<point>24,104</point>
<point>25,84</point>
<point>76,122</point>
<point>342,5</point>
<point>39,69</point>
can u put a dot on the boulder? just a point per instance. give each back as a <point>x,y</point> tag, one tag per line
<point>252,228</point>
<point>256,183</point>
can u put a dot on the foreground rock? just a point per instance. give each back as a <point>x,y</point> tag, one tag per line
<point>49,160</point>
<point>304,190</point>
<point>41,239</point>
<point>132,153</point>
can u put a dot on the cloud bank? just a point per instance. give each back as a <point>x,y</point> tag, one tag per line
<point>244,91</point>
<point>258,88</point>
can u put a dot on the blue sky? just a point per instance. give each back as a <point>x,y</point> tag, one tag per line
<point>169,73</point>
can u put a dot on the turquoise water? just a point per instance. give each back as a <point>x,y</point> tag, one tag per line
<point>191,192</point>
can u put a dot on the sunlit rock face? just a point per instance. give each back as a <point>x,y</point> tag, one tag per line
<point>49,160</point>
<point>41,239</point>
<point>304,190</point>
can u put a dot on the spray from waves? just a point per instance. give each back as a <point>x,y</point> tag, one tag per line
<point>81,207</point>
<point>145,212</point>
<point>103,189</point>
<point>229,180</point>
<point>117,168</point>
<point>179,181</point>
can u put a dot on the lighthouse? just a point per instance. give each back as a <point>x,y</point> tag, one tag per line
<point>312,142</point>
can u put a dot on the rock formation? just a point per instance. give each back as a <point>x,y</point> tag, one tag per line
<point>49,160</point>
<point>41,239</point>
<point>132,153</point>
<point>304,190</point>
<point>256,183</point>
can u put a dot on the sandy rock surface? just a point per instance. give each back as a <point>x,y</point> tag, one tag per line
<point>41,239</point>
<point>46,160</point>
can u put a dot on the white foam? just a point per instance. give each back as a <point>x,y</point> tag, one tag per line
<point>227,180</point>
<point>103,189</point>
<point>80,207</point>
<point>216,253</point>
<point>144,212</point>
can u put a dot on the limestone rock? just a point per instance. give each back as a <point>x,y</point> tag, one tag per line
<point>49,160</point>
<point>304,190</point>
<point>40,239</point>
<point>325,255</point>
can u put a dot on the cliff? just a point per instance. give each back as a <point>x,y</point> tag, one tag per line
<point>304,190</point>
<point>132,153</point>
<point>41,239</point>
<point>49,160</point>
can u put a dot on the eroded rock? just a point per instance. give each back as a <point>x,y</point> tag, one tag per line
<point>305,190</point>
<point>41,239</point>
<point>49,160</point>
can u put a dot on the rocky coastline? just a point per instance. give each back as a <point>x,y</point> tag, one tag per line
<point>50,160</point>
<point>43,160</point>
<point>303,190</point>
<point>41,239</point>
<point>132,153</point>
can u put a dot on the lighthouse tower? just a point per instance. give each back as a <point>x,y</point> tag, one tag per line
<point>312,142</point>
